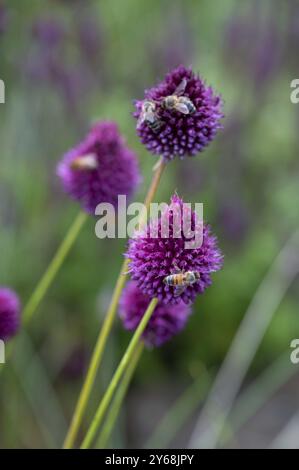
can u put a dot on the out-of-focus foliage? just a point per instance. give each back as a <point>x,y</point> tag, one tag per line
<point>68,63</point>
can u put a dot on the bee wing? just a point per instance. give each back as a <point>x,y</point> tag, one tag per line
<point>150,117</point>
<point>181,87</point>
<point>86,162</point>
<point>140,120</point>
<point>179,290</point>
<point>182,108</point>
<point>176,269</point>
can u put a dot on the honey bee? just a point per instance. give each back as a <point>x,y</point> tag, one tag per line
<point>181,280</point>
<point>86,162</point>
<point>149,116</point>
<point>179,103</point>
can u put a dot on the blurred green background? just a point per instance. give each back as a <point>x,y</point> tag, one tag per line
<point>68,63</point>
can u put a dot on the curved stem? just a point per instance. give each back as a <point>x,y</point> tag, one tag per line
<point>118,399</point>
<point>127,357</point>
<point>158,171</point>
<point>107,324</point>
<point>95,360</point>
<point>46,280</point>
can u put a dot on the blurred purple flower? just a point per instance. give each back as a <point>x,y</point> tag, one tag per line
<point>9,313</point>
<point>257,44</point>
<point>181,134</point>
<point>3,18</point>
<point>49,63</point>
<point>45,62</point>
<point>90,37</point>
<point>74,83</point>
<point>293,20</point>
<point>9,207</point>
<point>75,364</point>
<point>152,258</point>
<point>267,55</point>
<point>48,31</point>
<point>176,44</point>
<point>190,178</point>
<point>234,220</point>
<point>99,168</point>
<point>240,34</point>
<point>165,322</point>
<point>291,49</point>
<point>42,68</point>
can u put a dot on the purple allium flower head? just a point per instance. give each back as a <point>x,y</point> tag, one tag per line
<point>165,322</point>
<point>9,313</point>
<point>181,134</point>
<point>153,257</point>
<point>100,168</point>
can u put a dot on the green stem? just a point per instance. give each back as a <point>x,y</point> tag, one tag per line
<point>95,360</point>
<point>118,399</point>
<point>96,422</point>
<point>45,282</point>
<point>107,326</point>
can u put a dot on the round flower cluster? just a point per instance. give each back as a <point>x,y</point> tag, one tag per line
<point>99,168</point>
<point>184,124</point>
<point>174,269</point>
<point>153,257</point>
<point>165,322</point>
<point>9,313</point>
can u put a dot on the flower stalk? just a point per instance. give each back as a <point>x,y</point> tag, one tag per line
<point>107,324</point>
<point>118,399</point>
<point>125,361</point>
<point>53,268</point>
